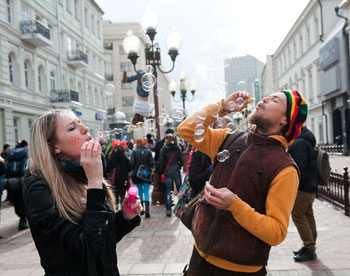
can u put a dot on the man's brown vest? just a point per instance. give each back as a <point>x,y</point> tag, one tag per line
<point>253,163</point>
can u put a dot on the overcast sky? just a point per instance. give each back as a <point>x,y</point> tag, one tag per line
<point>212,31</point>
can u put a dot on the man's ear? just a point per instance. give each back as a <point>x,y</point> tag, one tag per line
<point>57,150</point>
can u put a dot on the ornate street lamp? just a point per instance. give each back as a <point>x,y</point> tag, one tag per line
<point>184,87</point>
<point>131,46</point>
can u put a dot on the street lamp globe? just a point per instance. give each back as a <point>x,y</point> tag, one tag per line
<point>131,43</point>
<point>173,40</point>
<point>192,86</point>
<point>182,74</point>
<point>149,20</point>
<point>172,85</point>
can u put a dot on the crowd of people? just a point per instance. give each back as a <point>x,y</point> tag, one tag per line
<point>249,199</point>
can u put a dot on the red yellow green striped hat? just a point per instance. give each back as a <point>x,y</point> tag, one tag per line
<point>296,114</point>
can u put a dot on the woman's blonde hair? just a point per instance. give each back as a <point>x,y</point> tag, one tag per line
<point>69,195</point>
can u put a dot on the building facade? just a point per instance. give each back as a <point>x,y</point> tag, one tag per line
<point>117,62</point>
<point>242,69</point>
<point>51,57</point>
<point>296,64</point>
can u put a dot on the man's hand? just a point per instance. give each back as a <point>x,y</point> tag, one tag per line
<point>233,97</point>
<point>220,198</point>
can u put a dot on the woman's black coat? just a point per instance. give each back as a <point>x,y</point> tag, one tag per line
<point>88,248</point>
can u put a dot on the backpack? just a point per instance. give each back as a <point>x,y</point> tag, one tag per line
<point>323,167</point>
<point>16,161</point>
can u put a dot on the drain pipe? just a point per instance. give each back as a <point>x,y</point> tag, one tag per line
<point>321,14</point>
<point>326,118</point>
<point>59,45</point>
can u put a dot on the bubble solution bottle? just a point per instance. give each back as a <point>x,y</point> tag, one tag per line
<point>132,193</point>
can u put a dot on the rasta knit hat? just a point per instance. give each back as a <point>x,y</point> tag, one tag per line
<point>296,114</point>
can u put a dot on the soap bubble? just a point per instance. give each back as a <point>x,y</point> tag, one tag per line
<point>150,123</point>
<point>162,120</point>
<point>164,112</point>
<point>178,114</point>
<point>199,133</point>
<point>200,116</point>
<point>242,86</point>
<point>148,81</point>
<point>159,92</point>
<point>109,89</point>
<point>231,126</point>
<point>226,153</point>
<point>149,69</point>
<point>140,124</point>
<point>99,135</point>
<point>221,157</point>
<point>214,109</point>
<point>219,122</point>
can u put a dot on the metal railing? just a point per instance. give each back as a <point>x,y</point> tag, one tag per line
<point>65,95</point>
<point>337,191</point>
<point>109,77</point>
<point>333,149</point>
<point>77,55</point>
<point>30,27</point>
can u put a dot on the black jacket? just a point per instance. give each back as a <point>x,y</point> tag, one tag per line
<point>69,249</point>
<point>176,162</point>
<point>140,156</point>
<point>120,162</point>
<point>303,153</point>
<point>199,171</point>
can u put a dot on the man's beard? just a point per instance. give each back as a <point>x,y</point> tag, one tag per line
<point>262,124</point>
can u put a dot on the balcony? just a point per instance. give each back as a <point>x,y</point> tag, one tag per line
<point>65,97</point>
<point>35,33</point>
<point>77,58</point>
<point>109,77</point>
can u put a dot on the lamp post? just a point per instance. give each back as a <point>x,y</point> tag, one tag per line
<point>184,87</point>
<point>131,46</point>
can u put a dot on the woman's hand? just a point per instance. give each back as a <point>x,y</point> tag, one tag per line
<point>137,207</point>
<point>233,97</point>
<point>220,198</point>
<point>90,159</point>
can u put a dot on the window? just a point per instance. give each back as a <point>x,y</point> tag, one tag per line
<point>69,44</point>
<point>26,74</point>
<point>308,38</point>
<point>11,69</point>
<point>52,80</point>
<point>86,18</point>
<point>30,123</point>
<point>16,128</point>
<point>25,13</point>
<point>125,66</point>
<point>40,79</point>
<point>127,101</point>
<point>121,50</point>
<point>76,9</point>
<point>68,6</point>
<point>127,85</point>
<point>92,23</point>
<point>9,11</point>
<point>98,29</point>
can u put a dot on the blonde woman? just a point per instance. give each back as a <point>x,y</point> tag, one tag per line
<point>69,207</point>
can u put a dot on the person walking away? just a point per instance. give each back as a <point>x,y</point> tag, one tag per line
<point>171,161</point>
<point>15,165</point>
<point>199,171</point>
<point>303,153</point>
<point>247,208</point>
<point>142,156</point>
<point>69,205</point>
<point>2,181</point>
<point>120,163</point>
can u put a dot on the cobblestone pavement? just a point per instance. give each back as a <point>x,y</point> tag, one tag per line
<point>163,246</point>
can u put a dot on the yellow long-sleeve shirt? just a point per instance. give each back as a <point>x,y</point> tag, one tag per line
<point>271,227</point>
